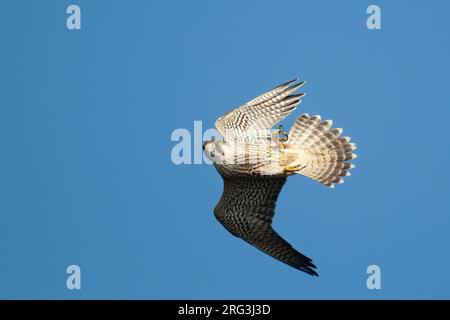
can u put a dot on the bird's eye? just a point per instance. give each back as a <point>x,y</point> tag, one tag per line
<point>213,154</point>
<point>203,147</point>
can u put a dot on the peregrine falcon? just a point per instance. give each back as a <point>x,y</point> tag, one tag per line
<point>255,160</point>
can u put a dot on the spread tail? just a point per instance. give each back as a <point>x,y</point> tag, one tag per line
<point>321,153</point>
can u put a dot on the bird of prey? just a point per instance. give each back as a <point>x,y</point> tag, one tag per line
<point>255,160</point>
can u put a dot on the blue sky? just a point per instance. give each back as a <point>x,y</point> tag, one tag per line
<point>86,176</point>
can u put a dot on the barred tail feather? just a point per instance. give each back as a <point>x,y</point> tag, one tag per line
<point>322,151</point>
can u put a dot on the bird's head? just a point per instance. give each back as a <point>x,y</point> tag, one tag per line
<point>214,150</point>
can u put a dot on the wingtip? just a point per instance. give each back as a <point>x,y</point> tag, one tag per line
<point>310,270</point>
<point>294,85</point>
<point>288,83</point>
<point>307,267</point>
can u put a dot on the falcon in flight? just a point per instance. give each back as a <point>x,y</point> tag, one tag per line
<point>255,160</point>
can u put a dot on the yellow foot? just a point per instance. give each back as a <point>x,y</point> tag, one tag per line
<point>292,168</point>
<point>282,135</point>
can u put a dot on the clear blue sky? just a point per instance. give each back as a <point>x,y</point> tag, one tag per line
<point>86,176</point>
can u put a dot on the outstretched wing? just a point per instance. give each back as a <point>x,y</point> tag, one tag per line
<point>246,209</point>
<point>261,113</point>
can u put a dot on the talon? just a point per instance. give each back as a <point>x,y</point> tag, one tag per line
<point>282,135</point>
<point>292,168</point>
